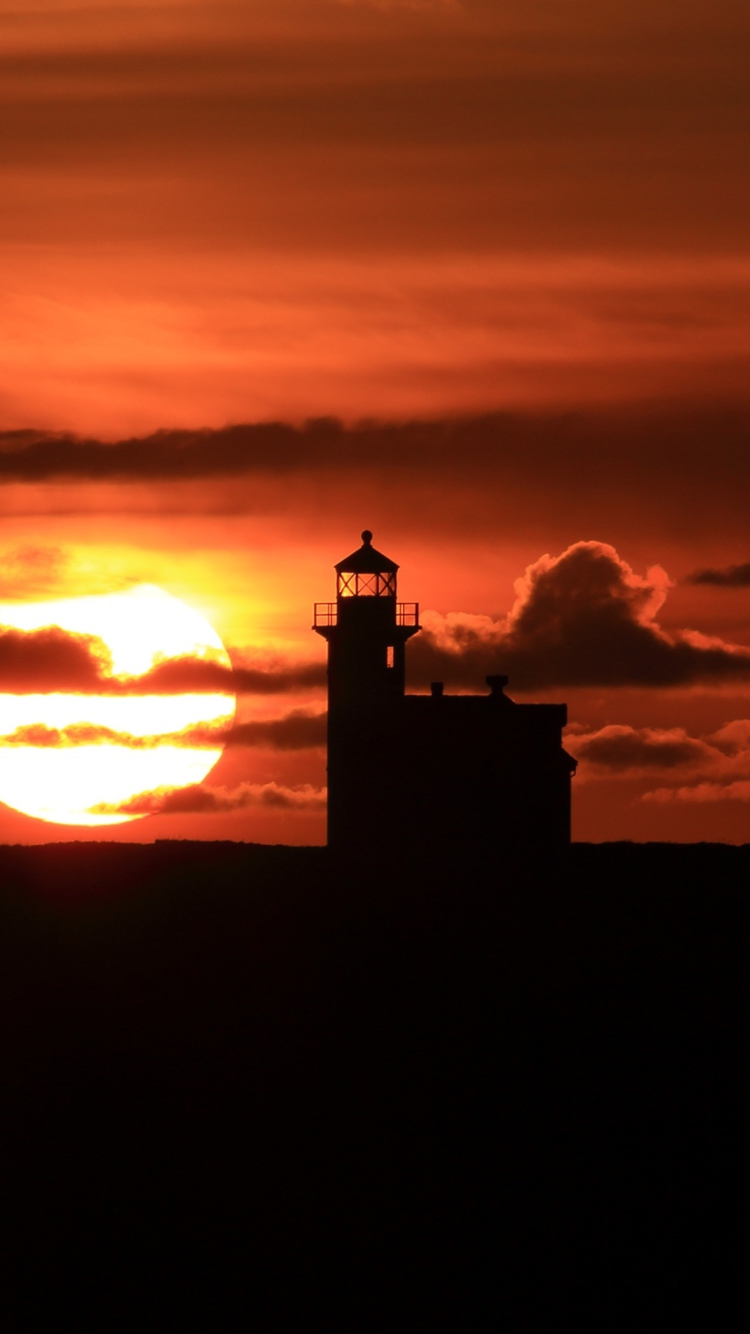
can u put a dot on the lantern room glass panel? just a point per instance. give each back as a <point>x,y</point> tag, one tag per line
<point>351,585</point>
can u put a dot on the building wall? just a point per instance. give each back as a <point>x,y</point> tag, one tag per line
<point>448,774</point>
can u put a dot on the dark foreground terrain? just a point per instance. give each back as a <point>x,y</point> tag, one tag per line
<point>244,1089</point>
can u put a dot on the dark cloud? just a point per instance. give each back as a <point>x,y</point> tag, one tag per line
<point>731,576</point>
<point>188,675</point>
<point>667,449</point>
<point>299,730</point>
<point>684,468</point>
<point>581,619</point>
<point>38,456</point>
<point>52,659</point>
<point>620,748</point>
<point>199,800</point>
<point>701,769</point>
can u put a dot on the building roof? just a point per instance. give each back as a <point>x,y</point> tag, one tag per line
<point>366,560</point>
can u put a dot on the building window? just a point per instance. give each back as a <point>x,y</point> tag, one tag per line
<point>389,656</point>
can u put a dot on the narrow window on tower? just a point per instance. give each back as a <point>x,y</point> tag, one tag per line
<point>389,656</point>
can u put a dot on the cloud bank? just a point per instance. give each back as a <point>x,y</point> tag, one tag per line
<point>583,618</point>
<point>662,450</point>
<point>548,475</point>
<point>710,768</point>
<point>55,660</point>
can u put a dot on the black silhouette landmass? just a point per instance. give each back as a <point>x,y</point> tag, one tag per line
<point>245,1088</point>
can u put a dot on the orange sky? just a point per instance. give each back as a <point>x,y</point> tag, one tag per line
<point>217,214</point>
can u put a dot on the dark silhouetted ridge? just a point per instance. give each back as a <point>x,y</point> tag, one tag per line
<point>244,1090</point>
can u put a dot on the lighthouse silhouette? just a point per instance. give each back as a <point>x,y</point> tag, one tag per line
<point>429,775</point>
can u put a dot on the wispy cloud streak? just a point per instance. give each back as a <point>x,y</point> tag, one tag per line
<point>200,800</point>
<point>299,730</point>
<point>730,576</point>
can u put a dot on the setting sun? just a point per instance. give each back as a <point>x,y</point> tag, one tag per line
<point>74,756</point>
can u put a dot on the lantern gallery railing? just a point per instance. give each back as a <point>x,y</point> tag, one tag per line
<point>326,613</point>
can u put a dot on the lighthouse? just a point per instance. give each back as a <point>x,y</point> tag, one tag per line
<point>440,774</point>
<point>367,630</point>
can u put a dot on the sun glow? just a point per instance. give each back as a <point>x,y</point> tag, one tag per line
<point>64,783</point>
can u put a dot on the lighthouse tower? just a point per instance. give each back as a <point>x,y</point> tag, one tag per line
<point>366,629</point>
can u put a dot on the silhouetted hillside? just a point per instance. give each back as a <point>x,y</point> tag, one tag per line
<point>245,1089</point>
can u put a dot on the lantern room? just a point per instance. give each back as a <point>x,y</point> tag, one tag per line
<point>366,573</point>
<point>366,629</point>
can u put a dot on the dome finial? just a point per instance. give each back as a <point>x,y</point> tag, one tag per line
<point>367,537</point>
